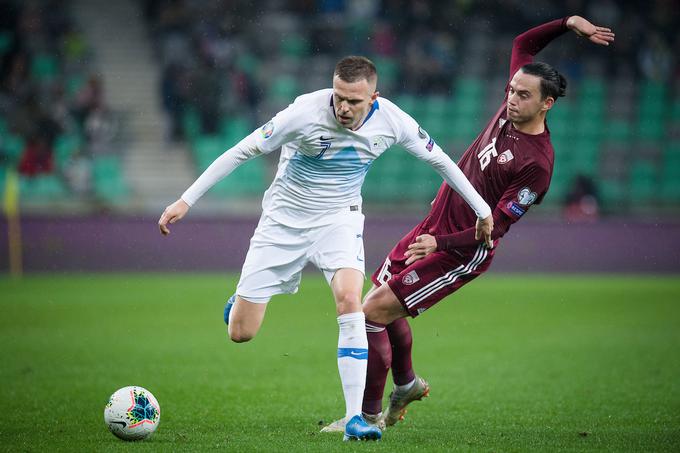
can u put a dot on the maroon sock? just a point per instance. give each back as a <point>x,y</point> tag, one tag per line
<point>379,361</point>
<point>400,336</point>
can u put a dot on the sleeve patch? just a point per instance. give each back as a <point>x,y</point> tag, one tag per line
<point>430,145</point>
<point>267,130</point>
<point>525,196</point>
<point>516,209</point>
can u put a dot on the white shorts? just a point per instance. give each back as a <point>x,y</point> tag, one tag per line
<point>278,253</point>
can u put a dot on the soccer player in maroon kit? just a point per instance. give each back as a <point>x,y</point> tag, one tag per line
<point>510,164</point>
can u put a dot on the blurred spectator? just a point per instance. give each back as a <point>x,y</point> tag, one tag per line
<point>656,58</point>
<point>581,203</point>
<point>89,97</point>
<point>39,129</point>
<point>384,41</point>
<point>37,157</point>
<point>205,94</point>
<point>100,131</point>
<point>175,97</point>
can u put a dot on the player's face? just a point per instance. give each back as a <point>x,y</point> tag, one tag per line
<point>524,98</point>
<point>352,101</point>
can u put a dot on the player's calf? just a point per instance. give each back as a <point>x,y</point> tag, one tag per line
<point>239,336</point>
<point>236,335</point>
<point>244,319</point>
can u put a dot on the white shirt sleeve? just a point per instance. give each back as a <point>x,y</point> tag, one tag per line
<point>244,150</point>
<point>418,143</point>
<point>286,126</point>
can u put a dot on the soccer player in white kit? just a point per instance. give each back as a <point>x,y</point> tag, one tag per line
<point>312,210</point>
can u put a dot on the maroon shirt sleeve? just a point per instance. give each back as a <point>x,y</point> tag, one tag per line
<point>527,188</point>
<point>529,43</point>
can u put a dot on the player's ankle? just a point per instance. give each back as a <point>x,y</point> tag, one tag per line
<point>405,387</point>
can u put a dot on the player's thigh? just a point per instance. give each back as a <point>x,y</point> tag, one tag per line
<point>274,262</point>
<point>382,306</point>
<point>429,280</point>
<point>340,245</point>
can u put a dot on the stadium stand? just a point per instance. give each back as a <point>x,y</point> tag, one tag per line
<point>224,68</point>
<point>53,115</point>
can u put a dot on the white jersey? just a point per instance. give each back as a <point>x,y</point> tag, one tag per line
<point>323,164</point>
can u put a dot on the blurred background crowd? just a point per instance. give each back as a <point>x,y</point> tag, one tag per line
<point>119,107</point>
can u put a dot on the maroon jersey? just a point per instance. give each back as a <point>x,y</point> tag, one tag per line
<point>511,170</point>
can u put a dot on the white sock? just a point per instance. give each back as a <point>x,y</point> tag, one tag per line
<point>405,387</point>
<point>352,360</point>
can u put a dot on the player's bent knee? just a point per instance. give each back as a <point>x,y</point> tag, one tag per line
<point>348,302</point>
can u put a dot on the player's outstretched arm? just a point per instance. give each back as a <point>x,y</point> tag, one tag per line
<point>426,243</point>
<point>172,214</point>
<point>531,42</point>
<point>595,33</point>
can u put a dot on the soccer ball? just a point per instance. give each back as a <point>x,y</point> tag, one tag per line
<point>132,413</point>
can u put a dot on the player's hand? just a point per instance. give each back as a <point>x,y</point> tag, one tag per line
<point>172,214</point>
<point>424,245</point>
<point>483,229</point>
<point>596,34</point>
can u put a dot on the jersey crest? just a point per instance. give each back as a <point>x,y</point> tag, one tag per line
<point>505,157</point>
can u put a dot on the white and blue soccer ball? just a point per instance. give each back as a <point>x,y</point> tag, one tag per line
<point>132,413</point>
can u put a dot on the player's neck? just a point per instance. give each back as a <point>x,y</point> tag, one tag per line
<point>360,123</point>
<point>532,127</point>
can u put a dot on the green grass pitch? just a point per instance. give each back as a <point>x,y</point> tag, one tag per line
<point>516,363</point>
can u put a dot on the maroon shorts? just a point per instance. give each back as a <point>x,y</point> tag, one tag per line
<point>425,282</point>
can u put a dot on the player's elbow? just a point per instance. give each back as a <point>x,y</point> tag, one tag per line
<point>519,45</point>
<point>519,40</point>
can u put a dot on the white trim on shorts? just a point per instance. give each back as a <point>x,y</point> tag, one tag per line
<point>447,279</point>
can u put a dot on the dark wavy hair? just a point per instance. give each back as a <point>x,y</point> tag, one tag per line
<point>553,83</point>
<point>353,68</point>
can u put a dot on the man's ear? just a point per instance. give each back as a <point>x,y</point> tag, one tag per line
<point>548,103</point>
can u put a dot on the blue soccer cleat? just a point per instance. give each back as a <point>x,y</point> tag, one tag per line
<point>227,308</point>
<point>358,429</point>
